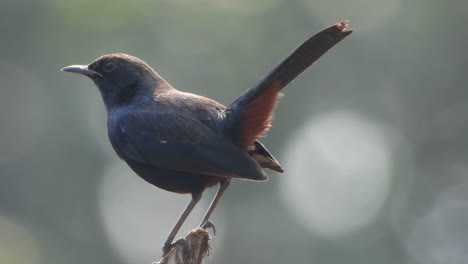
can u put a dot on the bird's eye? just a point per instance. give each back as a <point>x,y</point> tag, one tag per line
<point>110,66</point>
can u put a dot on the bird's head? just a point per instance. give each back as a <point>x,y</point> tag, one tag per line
<point>121,78</point>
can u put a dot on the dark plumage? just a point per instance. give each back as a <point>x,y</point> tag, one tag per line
<point>184,143</point>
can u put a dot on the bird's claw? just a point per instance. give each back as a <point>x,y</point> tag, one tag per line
<point>209,224</point>
<point>182,242</point>
<point>168,246</point>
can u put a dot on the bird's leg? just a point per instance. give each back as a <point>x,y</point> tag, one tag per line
<point>168,244</point>
<point>222,188</point>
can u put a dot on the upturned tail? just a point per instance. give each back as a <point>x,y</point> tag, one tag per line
<point>250,115</point>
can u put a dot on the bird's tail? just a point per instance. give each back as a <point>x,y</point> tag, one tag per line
<point>250,115</point>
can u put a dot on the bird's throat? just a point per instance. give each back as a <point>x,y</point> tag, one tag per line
<point>115,97</point>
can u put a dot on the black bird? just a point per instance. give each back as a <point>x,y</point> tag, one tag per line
<point>184,143</point>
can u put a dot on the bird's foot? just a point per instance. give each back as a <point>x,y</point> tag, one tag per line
<point>208,224</point>
<point>168,246</point>
<point>182,242</point>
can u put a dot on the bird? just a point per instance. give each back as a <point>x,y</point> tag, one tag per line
<point>184,143</point>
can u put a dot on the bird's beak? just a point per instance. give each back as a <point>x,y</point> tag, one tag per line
<point>82,69</point>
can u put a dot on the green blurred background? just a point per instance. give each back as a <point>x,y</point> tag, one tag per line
<point>372,137</point>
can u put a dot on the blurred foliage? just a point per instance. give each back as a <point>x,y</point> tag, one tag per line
<point>401,72</point>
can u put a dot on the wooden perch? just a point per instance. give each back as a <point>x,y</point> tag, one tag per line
<point>191,249</point>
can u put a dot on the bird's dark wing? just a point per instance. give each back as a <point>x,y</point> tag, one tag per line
<point>210,113</point>
<point>248,117</point>
<point>179,142</point>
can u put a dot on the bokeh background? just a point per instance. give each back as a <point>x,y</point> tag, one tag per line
<point>372,137</point>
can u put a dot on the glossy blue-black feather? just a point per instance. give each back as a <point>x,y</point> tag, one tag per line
<point>178,142</point>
